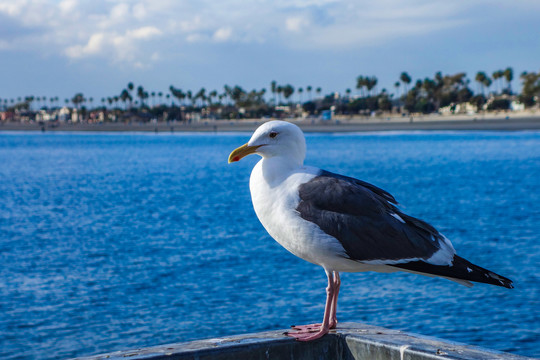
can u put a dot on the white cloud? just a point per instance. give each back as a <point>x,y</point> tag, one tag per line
<point>139,11</point>
<point>192,24</point>
<point>11,8</point>
<point>119,11</point>
<point>67,6</point>
<point>295,23</point>
<point>222,34</point>
<point>117,47</point>
<point>122,31</point>
<point>145,32</point>
<point>94,46</point>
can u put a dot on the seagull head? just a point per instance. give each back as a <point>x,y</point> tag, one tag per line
<point>274,139</point>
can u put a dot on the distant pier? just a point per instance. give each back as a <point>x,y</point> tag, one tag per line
<point>351,341</point>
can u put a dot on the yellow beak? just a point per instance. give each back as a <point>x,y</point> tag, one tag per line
<point>242,151</point>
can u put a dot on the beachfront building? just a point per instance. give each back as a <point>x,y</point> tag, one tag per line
<point>462,108</point>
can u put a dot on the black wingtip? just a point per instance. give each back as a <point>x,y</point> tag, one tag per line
<point>460,269</point>
<point>489,277</point>
<point>507,283</point>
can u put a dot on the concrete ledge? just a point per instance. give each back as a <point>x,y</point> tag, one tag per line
<point>351,341</point>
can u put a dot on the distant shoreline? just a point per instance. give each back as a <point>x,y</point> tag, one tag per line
<point>501,122</point>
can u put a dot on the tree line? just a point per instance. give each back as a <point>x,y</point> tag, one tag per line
<point>426,95</point>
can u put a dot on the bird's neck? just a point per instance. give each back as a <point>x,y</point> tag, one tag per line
<point>277,168</point>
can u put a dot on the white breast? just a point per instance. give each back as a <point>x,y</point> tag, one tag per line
<point>275,199</point>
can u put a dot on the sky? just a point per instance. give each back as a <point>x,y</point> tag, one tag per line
<point>58,48</point>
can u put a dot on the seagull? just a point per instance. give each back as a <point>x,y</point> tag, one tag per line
<point>341,223</point>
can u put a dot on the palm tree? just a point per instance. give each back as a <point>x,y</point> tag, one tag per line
<point>487,83</point>
<point>28,100</point>
<point>77,100</point>
<point>124,97</point>
<point>130,88</point>
<point>190,97</point>
<point>405,79</point>
<point>141,94</point>
<point>288,90</point>
<point>509,76</point>
<point>160,95</point>
<point>308,89</point>
<point>498,74</point>
<point>318,91</point>
<point>201,94</point>
<point>480,78</point>
<point>279,90</point>
<point>300,91</point>
<point>226,92</point>
<point>371,83</point>
<point>153,94</point>
<point>360,83</point>
<point>531,88</point>
<point>211,95</point>
<point>177,93</point>
<point>273,89</point>
<point>396,85</point>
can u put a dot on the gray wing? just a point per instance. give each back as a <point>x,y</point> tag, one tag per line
<point>365,220</point>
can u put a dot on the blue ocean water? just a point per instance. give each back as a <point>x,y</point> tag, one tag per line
<point>116,241</point>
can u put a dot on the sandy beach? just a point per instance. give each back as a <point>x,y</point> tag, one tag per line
<point>496,122</point>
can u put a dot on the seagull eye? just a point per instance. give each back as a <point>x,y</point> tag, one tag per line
<point>273,134</point>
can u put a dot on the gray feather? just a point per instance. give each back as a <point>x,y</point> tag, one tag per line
<point>359,215</point>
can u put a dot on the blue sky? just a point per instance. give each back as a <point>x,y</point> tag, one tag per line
<point>58,48</point>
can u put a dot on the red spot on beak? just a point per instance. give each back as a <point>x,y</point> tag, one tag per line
<point>236,158</point>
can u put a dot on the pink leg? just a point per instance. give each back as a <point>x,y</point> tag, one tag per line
<point>307,333</point>
<point>337,284</point>
<point>336,281</point>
